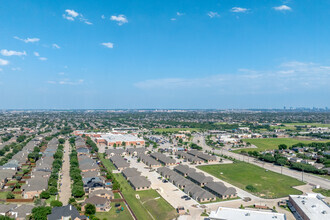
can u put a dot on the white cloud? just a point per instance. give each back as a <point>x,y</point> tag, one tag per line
<point>212,14</point>
<point>282,8</point>
<point>71,15</point>
<point>16,69</point>
<point>102,16</point>
<point>68,17</point>
<point>3,62</point>
<point>173,19</point>
<point>42,58</point>
<point>108,44</point>
<point>66,82</point>
<point>8,53</point>
<point>56,46</point>
<point>61,73</point>
<point>179,14</point>
<point>28,40</point>
<point>239,10</point>
<point>289,76</point>
<point>36,54</point>
<point>88,22</point>
<point>120,19</point>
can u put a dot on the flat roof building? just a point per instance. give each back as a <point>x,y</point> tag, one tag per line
<point>224,213</point>
<point>310,206</point>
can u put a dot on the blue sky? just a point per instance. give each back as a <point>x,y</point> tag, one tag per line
<point>164,54</point>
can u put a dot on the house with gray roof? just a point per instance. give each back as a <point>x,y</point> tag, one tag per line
<point>139,183</point>
<point>199,178</point>
<point>21,212</point>
<point>220,190</point>
<point>101,204</point>
<point>184,170</point>
<point>5,209</point>
<point>105,193</point>
<point>136,151</point>
<point>65,212</point>
<point>119,162</point>
<point>199,194</point>
<point>207,158</point>
<point>167,161</point>
<point>115,152</point>
<point>5,176</point>
<point>130,172</point>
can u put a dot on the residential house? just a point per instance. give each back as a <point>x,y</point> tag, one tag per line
<point>101,204</point>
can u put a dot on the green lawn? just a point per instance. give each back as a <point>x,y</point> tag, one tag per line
<point>268,184</point>
<point>271,143</point>
<point>150,200</point>
<point>171,130</point>
<point>324,192</point>
<point>311,124</point>
<point>124,215</point>
<point>3,195</point>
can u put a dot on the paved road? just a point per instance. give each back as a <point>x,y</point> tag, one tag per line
<point>65,180</point>
<point>311,179</point>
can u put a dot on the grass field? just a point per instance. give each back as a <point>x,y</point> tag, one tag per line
<point>324,192</point>
<point>172,130</point>
<point>124,215</point>
<point>311,124</point>
<point>271,143</point>
<point>150,200</point>
<point>268,184</point>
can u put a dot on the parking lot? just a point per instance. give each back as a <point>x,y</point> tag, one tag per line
<point>168,191</point>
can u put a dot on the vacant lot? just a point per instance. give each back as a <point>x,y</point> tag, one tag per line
<point>271,143</point>
<point>150,201</point>
<point>307,124</point>
<point>267,183</point>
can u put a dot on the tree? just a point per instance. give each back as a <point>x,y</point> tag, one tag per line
<point>251,188</point>
<point>61,141</point>
<point>282,147</point>
<point>56,203</point>
<point>10,195</point>
<point>52,190</point>
<point>45,195</point>
<point>90,209</point>
<point>40,213</point>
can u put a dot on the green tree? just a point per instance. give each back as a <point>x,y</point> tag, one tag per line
<point>45,195</point>
<point>10,195</point>
<point>56,203</point>
<point>282,147</point>
<point>40,213</point>
<point>90,209</point>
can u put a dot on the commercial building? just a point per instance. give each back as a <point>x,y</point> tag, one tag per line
<point>310,206</point>
<point>224,213</point>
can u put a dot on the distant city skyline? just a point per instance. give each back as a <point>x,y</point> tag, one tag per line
<point>151,54</point>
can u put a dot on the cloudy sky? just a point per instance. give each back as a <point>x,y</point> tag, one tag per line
<point>164,54</point>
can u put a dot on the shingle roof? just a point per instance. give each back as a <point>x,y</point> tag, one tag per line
<point>220,188</point>
<point>65,211</point>
<point>139,181</point>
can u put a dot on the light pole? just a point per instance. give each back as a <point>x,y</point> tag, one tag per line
<point>302,175</point>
